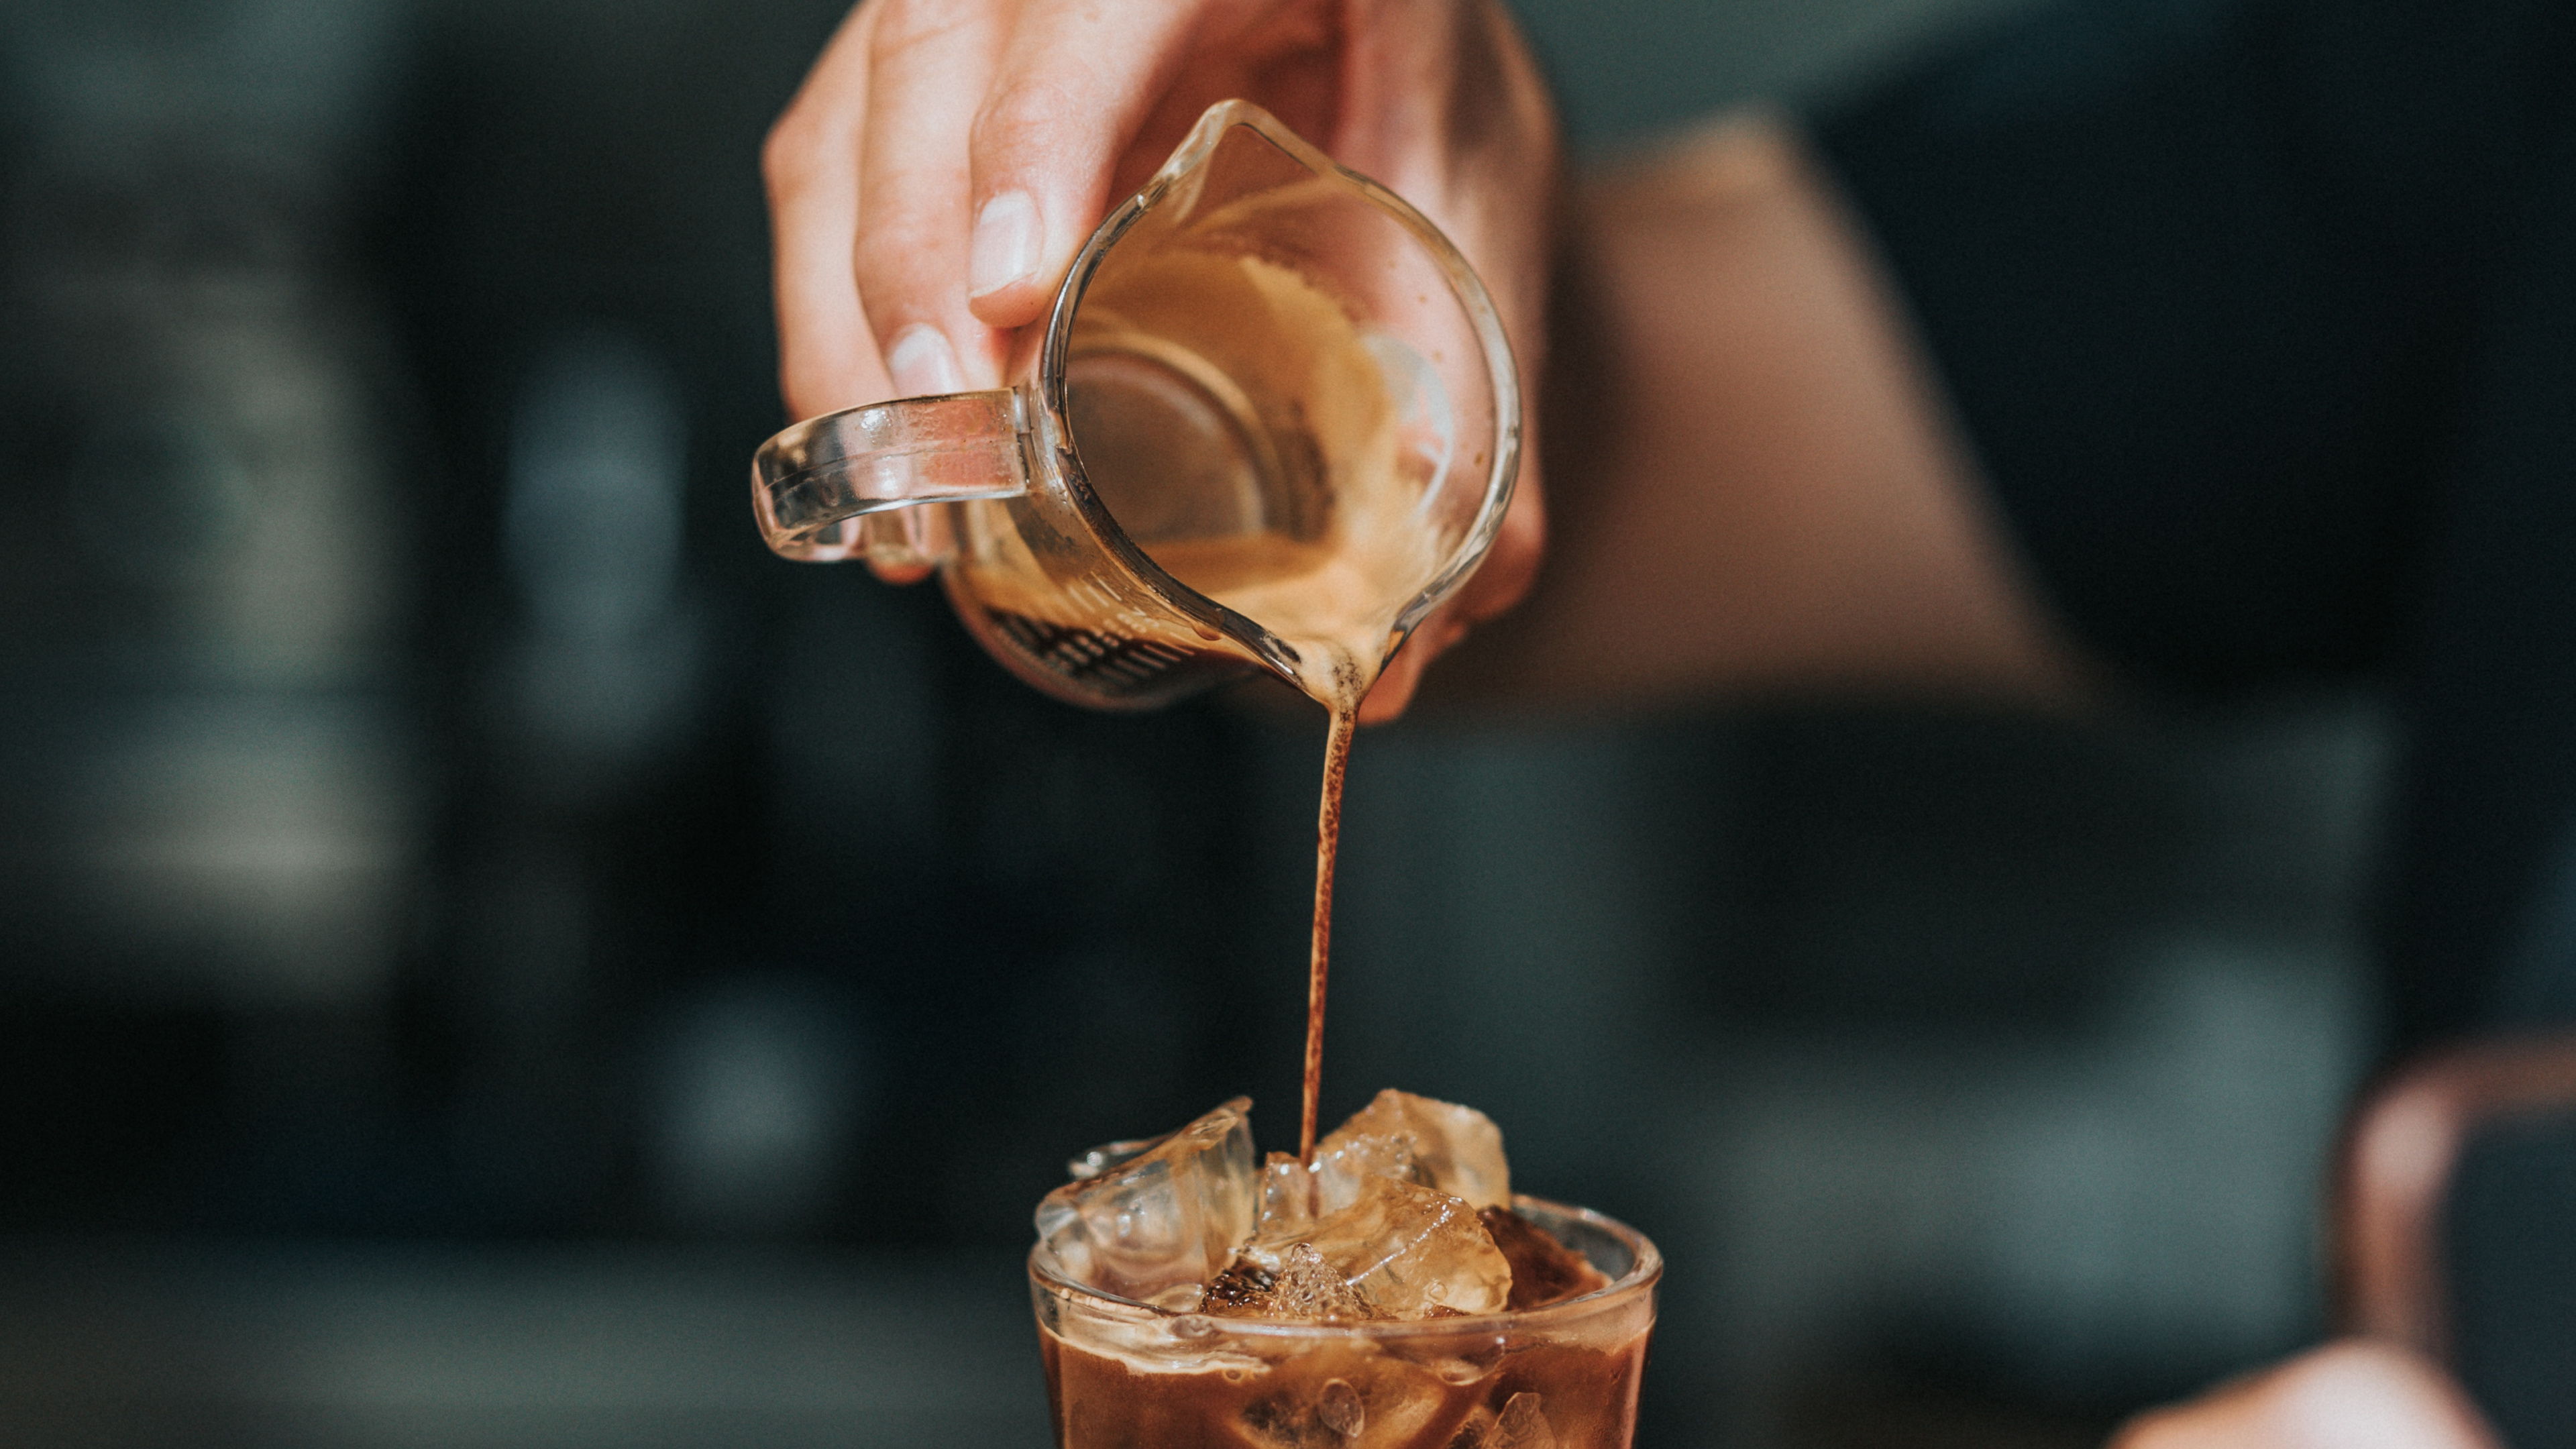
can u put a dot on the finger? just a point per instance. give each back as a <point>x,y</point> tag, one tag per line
<point>2363,1395</point>
<point>1283,55</point>
<point>1393,693</point>
<point>1443,103</point>
<point>930,61</point>
<point>827,358</point>
<point>1511,564</point>
<point>2348,1395</point>
<point>1076,81</point>
<point>1502,580</point>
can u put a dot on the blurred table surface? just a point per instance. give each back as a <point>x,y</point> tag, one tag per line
<point>147,1343</point>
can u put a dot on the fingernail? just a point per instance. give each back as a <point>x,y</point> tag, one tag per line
<point>1005,245</point>
<point>922,364</point>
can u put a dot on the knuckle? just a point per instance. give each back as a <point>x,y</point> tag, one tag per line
<point>1021,111</point>
<point>904,26</point>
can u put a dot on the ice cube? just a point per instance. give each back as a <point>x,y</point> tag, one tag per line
<point>1288,1200</point>
<point>1302,1285</point>
<point>1408,1251</point>
<point>1287,1213</point>
<point>1298,1284</point>
<point>1521,1424</point>
<point>1439,1145</point>
<point>1341,1409</point>
<point>1108,1155</point>
<point>1348,1398</point>
<point>1156,1225</point>
<point>1308,1287</point>
<point>1346,1159</point>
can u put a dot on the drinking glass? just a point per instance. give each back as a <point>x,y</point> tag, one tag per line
<point>1124,1375</point>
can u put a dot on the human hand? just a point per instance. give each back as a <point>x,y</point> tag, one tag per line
<point>2357,1394</point>
<point>945,159</point>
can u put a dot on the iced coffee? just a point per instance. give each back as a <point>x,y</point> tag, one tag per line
<point>1389,1291</point>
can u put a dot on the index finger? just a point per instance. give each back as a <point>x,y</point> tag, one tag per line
<point>827,358</point>
<point>1076,81</point>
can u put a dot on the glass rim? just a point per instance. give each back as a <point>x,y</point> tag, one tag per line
<point>1644,1273</point>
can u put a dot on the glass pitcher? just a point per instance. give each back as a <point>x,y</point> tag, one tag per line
<point>1270,423</point>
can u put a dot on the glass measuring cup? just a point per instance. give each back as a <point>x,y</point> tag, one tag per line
<point>1270,422</point>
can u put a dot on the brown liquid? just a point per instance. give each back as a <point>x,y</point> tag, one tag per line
<point>1429,1394</point>
<point>1328,844</point>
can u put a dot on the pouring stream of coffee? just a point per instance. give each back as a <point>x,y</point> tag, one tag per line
<point>1328,840</point>
<point>1341,660</point>
<point>1313,520</point>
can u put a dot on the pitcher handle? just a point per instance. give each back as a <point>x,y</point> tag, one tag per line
<point>846,484</point>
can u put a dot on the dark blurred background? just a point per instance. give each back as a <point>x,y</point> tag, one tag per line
<point>490,956</point>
